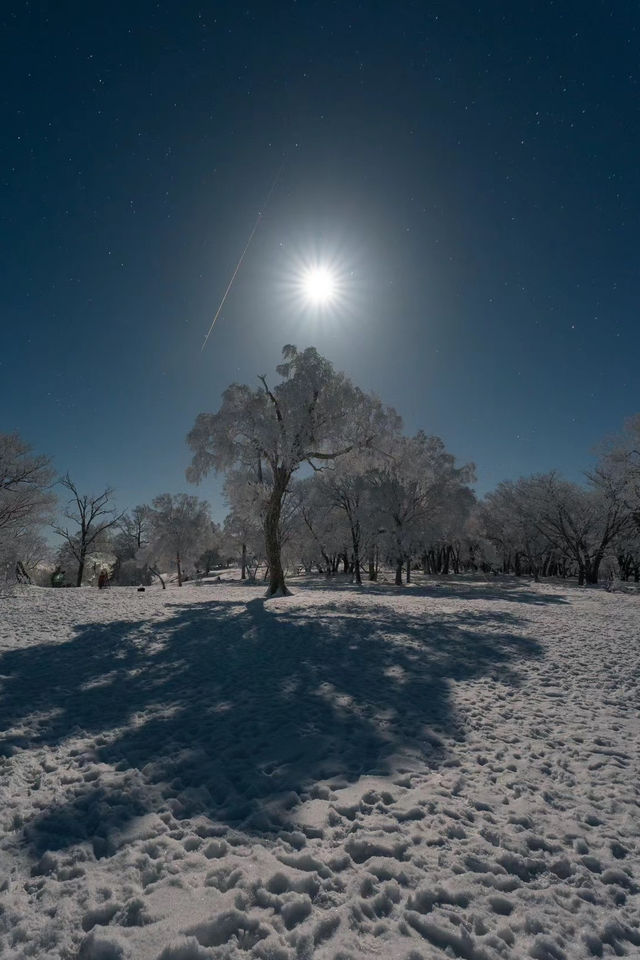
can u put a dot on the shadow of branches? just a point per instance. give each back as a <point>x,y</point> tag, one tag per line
<point>461,587</point>
<point>234,710</point>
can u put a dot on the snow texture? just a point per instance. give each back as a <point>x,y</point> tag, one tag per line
<point>447,770</point>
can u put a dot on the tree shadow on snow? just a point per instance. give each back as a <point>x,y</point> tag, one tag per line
<point>234,710</point>
<point>502,588</point>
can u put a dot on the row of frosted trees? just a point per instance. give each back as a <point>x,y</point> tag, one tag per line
<point>319,476</point>
<point>165,535</point>
<point>357,521</point>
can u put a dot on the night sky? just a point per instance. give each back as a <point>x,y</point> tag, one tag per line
<point>472,170</point>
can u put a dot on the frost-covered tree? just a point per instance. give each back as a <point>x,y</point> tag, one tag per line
<point>26,503</point>
<point>319,535</point>
<point>481,553</point>
<point>443,541</point>
<point>243,527</point>
<point>91,516</point>
<point>349,489</point>
<point>619,465</point>
<point>23,554</point>
<point>25,483</point>
<point>180,531</point>
<point>580,522</point>
<point>513,519</point>
<point>212,555</point>
<point>412,486</point>
<point>243,541</point>
<point>626,550</point>
<point>313,415</point>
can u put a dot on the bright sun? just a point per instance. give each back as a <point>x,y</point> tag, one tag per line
<point>319,285</point>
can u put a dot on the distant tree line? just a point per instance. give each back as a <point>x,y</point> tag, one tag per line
<point>320,477</point>
<point>173,533</point>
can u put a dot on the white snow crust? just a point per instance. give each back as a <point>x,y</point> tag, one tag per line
<point>447,770</point>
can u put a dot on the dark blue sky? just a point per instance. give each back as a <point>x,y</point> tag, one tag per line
<point>473,168</point>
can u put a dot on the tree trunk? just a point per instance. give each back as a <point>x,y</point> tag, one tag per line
<point>625,566</point>
<point>593,570</point>
<point>355,541</point>
<point>372,565</point>
<point>399,572</point>
<point>80,571</point>
<point>159,576</point>
<point>408,569</point>
<point>21,574</point>
<point>243,570</point>
<point>277,585</point>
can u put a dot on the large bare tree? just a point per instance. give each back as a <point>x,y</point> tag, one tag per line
<point>91,516</point>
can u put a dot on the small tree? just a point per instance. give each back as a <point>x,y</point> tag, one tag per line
<point>92,515</point>
<point>134,532</point>
<point>417,478</point>
<point>348,489</point>
<point>128,544</point>
<point>312,416</point>
<point>23,554</point>
<point>180,530</point>
<point>242,535</point>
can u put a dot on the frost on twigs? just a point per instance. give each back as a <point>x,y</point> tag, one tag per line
<point>314,415</point>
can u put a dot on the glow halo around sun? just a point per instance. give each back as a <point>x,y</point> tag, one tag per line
<point>318,285</point>
<point>319,282</point>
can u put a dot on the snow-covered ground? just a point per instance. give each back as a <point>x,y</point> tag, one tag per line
<point>447,770</point>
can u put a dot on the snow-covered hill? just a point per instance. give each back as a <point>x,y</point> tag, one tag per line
<point>449,770</point>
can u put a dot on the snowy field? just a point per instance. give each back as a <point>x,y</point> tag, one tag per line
<point>448,770</point>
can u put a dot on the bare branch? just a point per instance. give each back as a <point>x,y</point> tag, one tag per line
<point>268,392</point>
